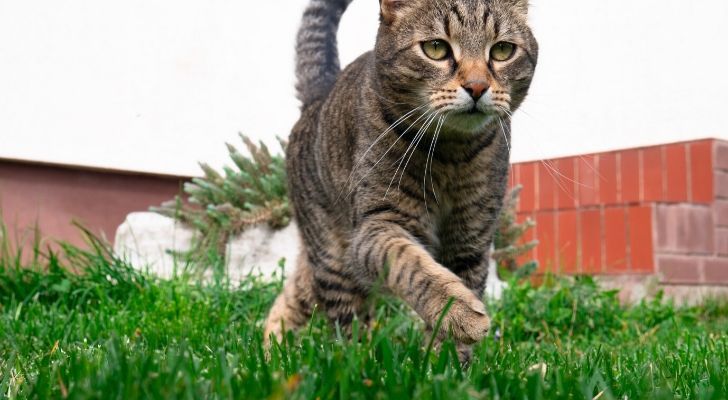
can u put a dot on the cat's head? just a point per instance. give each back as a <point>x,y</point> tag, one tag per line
<point>471,60</point>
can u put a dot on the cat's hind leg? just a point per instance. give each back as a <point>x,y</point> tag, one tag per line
<point>292,309</point>
<point>341,292</point>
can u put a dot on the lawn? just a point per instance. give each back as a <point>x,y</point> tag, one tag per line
<point>83,324</point>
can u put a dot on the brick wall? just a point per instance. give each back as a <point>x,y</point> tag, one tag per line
<point>52,196</point>
<point>656,210</point>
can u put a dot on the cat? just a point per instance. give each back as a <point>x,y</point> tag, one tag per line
<point>398,165</point>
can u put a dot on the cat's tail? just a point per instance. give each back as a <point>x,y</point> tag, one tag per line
<point>317,56</point>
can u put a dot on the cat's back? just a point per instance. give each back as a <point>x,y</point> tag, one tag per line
<point>354,77</point>
<point>340,112</point>
<point>345,94</point>
<point>319,156</point>
<point>326,128</point>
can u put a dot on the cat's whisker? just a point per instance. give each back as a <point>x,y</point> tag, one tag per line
<point>380,137</point>
<point>386,131</point>
<point>582,158</point>
<point>592,168</point>
<point>502,103</point>
<point>446,107</point>
<point>403,156</point>
<point>353,187</point>
<point>412,147</point>
<point>506,111</point>
<point>427,161</point>
<point>512,177</point>
<point>553,171</point>
<point>556,175</point>
<point>400,160</point>
<point>437,138</point>
<point>396,103</point>
<point>432,159</point>
<point>503,130</point>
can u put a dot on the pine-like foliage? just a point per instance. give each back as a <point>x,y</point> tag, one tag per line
<point>509,244</point>
<point>221,205</point>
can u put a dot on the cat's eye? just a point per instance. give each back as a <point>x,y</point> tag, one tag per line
<point>502,51</point>
<point>436,49</point>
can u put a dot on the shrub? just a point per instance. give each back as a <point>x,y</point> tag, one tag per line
<point>220,205</point>
<point>508,241</point>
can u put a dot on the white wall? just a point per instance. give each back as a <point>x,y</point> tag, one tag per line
<point>157,85</point>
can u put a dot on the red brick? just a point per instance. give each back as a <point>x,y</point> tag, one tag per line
<point>721,242</point>
<point>608,178</point>
<point>721,155</point>
<point>546,235</point>
<point>701,171</point>
<point>615,240</point>
<point>676,164</point>
<point>721,213</point>
<point>568,241</point>
<point>546,186</point>
<point>630,176</point>
<point>588,180</point>
<point>652,170</point>
<point>566,193</point>
<point>721,185</point>
<point>685,229</point>
<point>716,271</point>
<point>679,270</point>
<point>527,178</point>
<point>640,239</point>
<point>591,241</point>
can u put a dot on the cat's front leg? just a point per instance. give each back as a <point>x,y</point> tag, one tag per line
<point>386,250</point>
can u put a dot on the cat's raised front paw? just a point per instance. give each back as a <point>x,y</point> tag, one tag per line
<point>467,319</point>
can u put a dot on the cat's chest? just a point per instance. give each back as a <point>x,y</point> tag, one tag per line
<point>446,198</point>
<point>441,216</point>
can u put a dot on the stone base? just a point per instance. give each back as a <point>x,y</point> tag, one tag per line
<point>634,288</point>
<point>147,240</point>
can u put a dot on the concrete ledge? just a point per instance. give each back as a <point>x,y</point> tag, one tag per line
<point>147,240</point>
<point>635,288</point>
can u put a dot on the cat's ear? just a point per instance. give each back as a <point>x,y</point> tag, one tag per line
<point>391,9</point>
<point>521,6</point>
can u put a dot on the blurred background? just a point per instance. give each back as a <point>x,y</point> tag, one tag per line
<point>156,86</point>
<point>107,106</point>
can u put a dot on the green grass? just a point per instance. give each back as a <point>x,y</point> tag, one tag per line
<point>106,331</point>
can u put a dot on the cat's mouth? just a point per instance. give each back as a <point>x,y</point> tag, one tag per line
<point>474,110</point>
<point>470,120</point>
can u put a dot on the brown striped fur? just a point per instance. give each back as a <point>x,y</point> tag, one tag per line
<point>397,174</point>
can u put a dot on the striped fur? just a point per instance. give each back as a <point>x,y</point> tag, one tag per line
<point>317,63</point>
<point>397,171</point>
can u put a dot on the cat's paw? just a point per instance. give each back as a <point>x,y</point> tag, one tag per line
<point>465,353</point>
<point>272,332</point>
<point>467,319</point>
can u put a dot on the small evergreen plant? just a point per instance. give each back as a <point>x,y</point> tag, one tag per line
<point>508,242</point>
<point>221,205</point>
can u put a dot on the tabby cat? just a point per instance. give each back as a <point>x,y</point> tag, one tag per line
<point>398,165</point>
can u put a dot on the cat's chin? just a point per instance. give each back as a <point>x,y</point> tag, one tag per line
<point>469,123</point>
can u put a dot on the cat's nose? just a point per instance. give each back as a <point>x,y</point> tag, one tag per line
<point>476,89</point>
